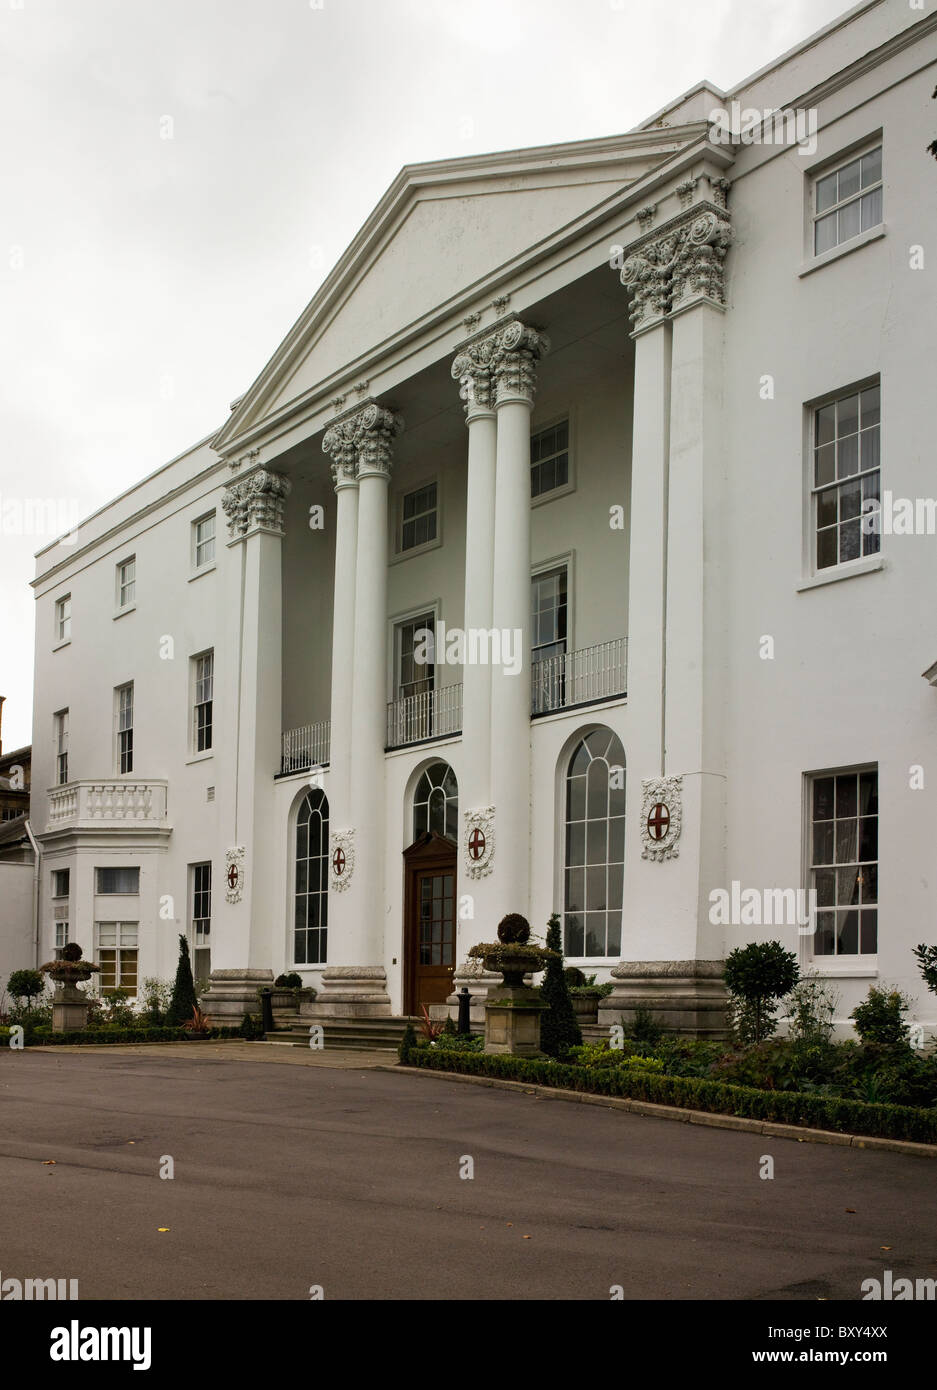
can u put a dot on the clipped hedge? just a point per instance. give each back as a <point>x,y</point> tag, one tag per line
<point>695,1093</point>
<point>45,1037</point>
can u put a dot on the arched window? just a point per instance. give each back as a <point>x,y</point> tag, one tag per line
<point>311,911</point>
<point>436,802</point>
<point>595,846</point>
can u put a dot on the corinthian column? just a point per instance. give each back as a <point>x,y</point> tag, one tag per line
<point>248,673</point>
<point>672,957</point>
<point>355,980</point>
<point>339,443</point>
<point>515,357</point>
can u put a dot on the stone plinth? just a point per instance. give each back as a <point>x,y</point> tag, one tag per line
<point>684,996</point>
<point>350,991</point>
<point>69,1015</point>
<point>512,1021</point>
<point>232,994</point>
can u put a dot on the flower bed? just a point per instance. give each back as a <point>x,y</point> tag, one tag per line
<point>693,1093</point>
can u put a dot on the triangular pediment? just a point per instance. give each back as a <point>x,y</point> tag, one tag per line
<point>441,231</point>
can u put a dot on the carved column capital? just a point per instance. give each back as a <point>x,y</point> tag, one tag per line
<point>683,261</point>
<point>518,349</point>
<point>361,443</point>
<point>256,502</point>
<point>339,443</point>
<point>472,369</point>
<point>375,432</point>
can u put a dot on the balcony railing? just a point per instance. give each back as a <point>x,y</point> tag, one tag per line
<point>305,747</point>
<point>579,678</point>
<point>431,714</point>
<point>86,805</point>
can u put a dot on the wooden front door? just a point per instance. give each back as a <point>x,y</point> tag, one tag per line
<point>430,921</point>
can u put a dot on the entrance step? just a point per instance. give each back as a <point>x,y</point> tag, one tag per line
<point>347,1034</point>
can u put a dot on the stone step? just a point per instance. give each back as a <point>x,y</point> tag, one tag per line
<point>348,1034</point>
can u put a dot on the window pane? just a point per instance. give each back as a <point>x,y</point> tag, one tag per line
<point>850,541</point>
<point>871,209</point>
<point>575,935</point>
<point>824,464</point>
<point>824,234</point>
<point>871,167</point>
<point>826,192</point>
<point>849,224</point>
<point>849,180</point>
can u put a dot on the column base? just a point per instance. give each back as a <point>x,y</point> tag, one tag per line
<point>350,991</point>
<point>233,993</point>
<point>683,996</point>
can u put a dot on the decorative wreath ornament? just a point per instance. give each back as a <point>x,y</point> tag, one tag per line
<point>661,817</point>
<point>234,873</point>
<point>478,841</point>
<point>341,859</point>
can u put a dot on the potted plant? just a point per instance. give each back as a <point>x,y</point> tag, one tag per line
<point>585,994</point>
<point>513,1008</point>
<point>288,992</point>
<point>69,1003</point>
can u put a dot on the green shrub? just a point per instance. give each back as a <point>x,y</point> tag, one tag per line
<point>155,997</point>
<point>183,1001</point>
<point>45,1037</point>
<point>880,1019</point>
<point>643,1027</point>
<point>251,1027</point>
<point>811,1008</point>
<point>757,976</point>
<point>927,964</point>
<point>559,1030</point>
<point>460,1042</point>
<point>26,984</point>
<point>574,977</point>
<point>448,1028</point>
<point>407,1043</point>
<point>289,981</point>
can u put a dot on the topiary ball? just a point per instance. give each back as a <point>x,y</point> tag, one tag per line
<point>71,951</point>
<point>514,930</point>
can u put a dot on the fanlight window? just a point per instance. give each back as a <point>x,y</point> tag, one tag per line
<point>436,802</point>
<point>595,846</point>
<point>311,897</point>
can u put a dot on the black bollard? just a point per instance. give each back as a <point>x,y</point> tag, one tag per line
<point>465,1022</point>
<point>266,1010</point>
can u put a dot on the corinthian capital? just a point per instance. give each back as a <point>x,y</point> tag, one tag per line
<point>361,442</point>
<point>682,262</point>
<point>518,348</point>
<point>376,428</point>
<point>472,369</point>
<point>256,502</point>
<point>339,443</point>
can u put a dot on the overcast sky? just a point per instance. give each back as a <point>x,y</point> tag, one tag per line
<point>146,280</point>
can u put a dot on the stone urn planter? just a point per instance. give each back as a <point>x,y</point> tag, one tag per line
<point>513,1008</point>
<point>586,1003</point>
<point>69,1003</point>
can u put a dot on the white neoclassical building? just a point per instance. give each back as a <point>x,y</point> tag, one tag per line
<point>559,560</point>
